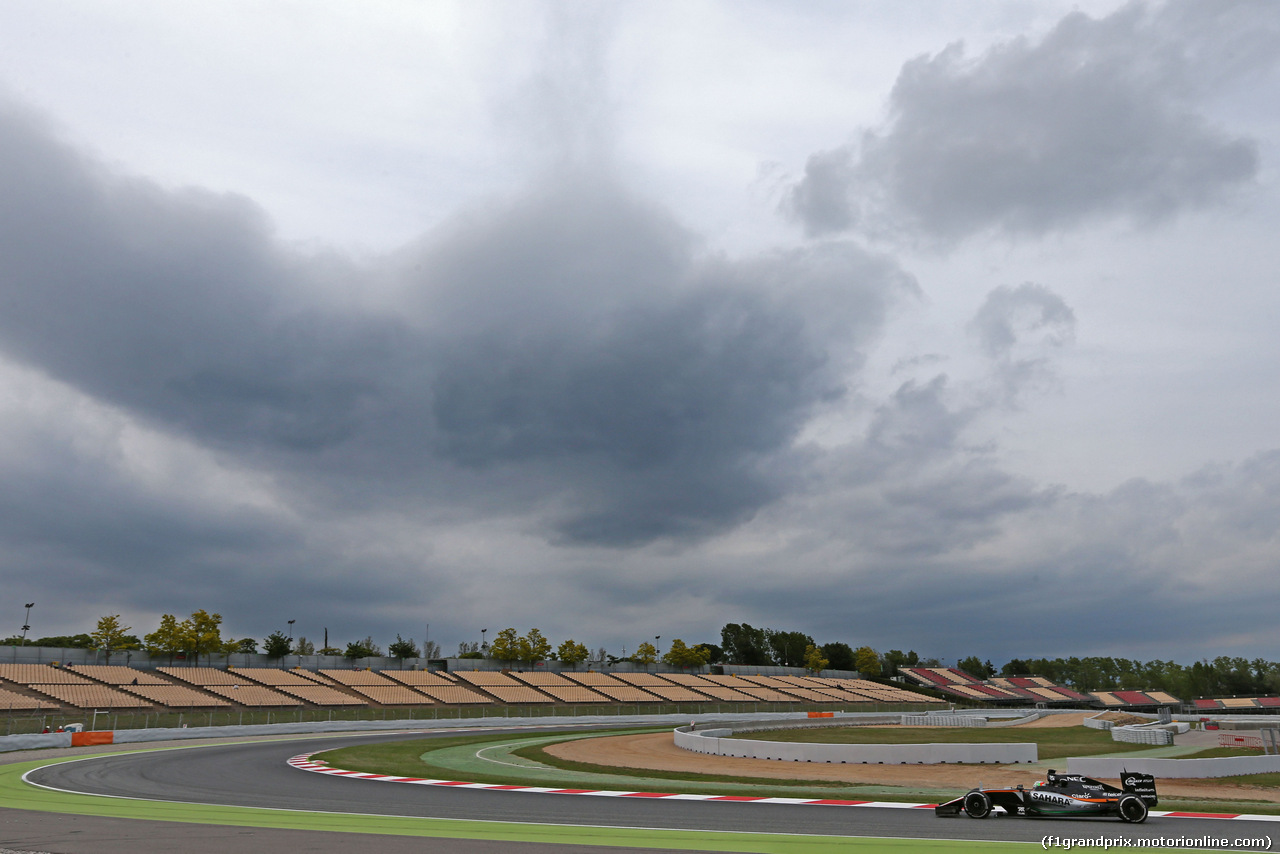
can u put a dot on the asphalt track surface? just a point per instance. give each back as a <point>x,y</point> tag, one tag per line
<point>255,775</point>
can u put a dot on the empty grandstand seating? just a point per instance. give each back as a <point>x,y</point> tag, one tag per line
<point>574,694</point>
<point>592,678</point>
<point>517,694</point>
<point>1135,698</point>
<point>273,676</point>
<point>203,677</point>
<point>174,696</point>
<point>40,674</point>
<point>626,693</point>
<point>676,693</point>
<point>641,680</point>
<point>322,695</point>
<point>11,701</point>
<point>392,694</point>
<point>253,695</point>
<point>688,680</point>
<point>486,678</point>
<point>358,678</point>
<point>90,696</point>
<point>418,678</point>
<point>41,686</point>
<point>114,674</point>
<point>725,694</point>
<point>455,695</point>
<point>1238,703</point>
<point>540,679</point>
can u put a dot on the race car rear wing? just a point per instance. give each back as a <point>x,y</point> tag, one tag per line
<point>1142,785</point>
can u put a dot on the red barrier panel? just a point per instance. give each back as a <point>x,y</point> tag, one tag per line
<point>822,714</point>
<point>83,739</point>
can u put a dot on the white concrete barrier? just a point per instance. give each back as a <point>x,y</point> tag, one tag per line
<point>1225,766</point>
<point>715,742</point>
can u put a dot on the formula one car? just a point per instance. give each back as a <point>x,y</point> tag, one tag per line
<point>1062,795</point>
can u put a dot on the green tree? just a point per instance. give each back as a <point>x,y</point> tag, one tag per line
<point>304,647</point>
<point>361,649</point>
<point>974,667</point>
<point>715,655</point>
<point>839,656</point>
<point>680,655</point>
<point>110,635</point>
<point>895,659</point>
<point>744,644</point>
<point>80,641</point>
<point>506,645</point>
<point>403,649</point>
<point>248,646</point>
<point>867,661</point>
<point>646,654</point>
<point>201,633</point>
<point>572,653</point>
<point>813,660</point>
<point>534,647</point>
<point>167,639</point>
<point>276,645</point>
<point>787,648</point>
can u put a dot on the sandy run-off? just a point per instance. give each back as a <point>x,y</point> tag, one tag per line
<point>658,752</point>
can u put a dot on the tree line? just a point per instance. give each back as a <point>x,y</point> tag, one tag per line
<point>201,635</point>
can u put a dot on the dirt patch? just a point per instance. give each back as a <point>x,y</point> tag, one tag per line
<point>658,752</point>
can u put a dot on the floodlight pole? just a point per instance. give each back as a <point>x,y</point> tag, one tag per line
<point>26,623</point>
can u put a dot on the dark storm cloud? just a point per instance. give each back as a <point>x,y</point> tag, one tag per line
<point>1100,118</point>
<point>564,354</point>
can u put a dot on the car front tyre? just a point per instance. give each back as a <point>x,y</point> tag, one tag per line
<point>1133,809</point>
<point>977,805</point>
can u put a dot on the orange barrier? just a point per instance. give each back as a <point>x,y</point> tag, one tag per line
<point>83,739</point>
<point>822,714</point>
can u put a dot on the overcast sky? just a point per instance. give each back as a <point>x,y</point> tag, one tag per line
<point>934,326</point>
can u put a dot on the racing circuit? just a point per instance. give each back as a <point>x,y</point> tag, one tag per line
<point>245,796</point>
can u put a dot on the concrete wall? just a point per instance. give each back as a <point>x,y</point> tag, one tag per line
<point>716,742</point>
<point>125,736</point>
<point>1226,766</point>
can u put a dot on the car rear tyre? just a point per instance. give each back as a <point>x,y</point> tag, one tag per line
<point>977,805</point>
<point>1133,809</point>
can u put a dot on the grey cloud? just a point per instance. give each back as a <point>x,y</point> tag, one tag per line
<point>953,558</point>
<point>1019,329</point>
<point>1100,118</point>
<point>565,355</point>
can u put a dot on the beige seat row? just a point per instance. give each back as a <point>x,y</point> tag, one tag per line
<point>175,696</point>
<point>91,696</point>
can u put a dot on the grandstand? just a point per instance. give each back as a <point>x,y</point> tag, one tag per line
<point>1134,699</point>
<point>30,688</point>
<point>1237,704</point>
